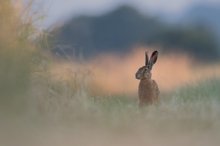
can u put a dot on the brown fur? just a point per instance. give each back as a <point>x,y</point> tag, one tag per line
<point>148,92</point>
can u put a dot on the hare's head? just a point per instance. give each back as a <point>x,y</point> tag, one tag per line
<point>145,71</point>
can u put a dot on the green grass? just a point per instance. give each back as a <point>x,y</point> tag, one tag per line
<point>194,106</point>
<point>203,90</point>
<point>59,115</point>
<point>188,115</point>
<point>15,58</point>
<point>43,110</point>
<point>18,55</point>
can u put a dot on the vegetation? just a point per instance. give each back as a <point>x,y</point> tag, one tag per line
<point>195,102</point>
<point>43,110</point>
<point>17,57</point>
<point>125,28</point>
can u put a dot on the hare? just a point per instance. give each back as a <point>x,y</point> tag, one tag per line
<point>148,90</point>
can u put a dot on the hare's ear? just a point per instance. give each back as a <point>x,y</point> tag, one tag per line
<point>146,58</point>
<point>153,59</point>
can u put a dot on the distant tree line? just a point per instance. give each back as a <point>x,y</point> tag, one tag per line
<point>125,28</point>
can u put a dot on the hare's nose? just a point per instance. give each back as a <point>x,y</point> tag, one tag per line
<point>137,76</point>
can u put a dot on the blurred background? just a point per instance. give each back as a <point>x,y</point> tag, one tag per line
<point>95,27</point>
<point>115,35</point>
<point>67,71</point>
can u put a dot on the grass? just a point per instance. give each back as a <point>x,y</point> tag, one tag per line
<point>188,115</point>
<point>15,60</point>
<point>44,111</point>
<point>197,105</point>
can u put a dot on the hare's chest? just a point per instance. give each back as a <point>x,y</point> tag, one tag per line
<point>145,89</point>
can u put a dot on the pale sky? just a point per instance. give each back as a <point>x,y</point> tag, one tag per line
<point>58,10</point>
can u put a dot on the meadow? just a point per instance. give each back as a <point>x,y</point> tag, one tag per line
<point>50,102</point>
<point>188,115</point>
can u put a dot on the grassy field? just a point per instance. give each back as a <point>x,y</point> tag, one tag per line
<point>188,115</point>
<point>36,109</point>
